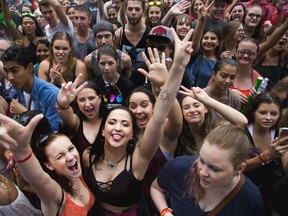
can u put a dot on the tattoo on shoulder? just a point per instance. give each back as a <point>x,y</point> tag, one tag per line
<point>165,95</point>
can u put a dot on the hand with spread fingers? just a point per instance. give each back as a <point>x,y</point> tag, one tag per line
<point>157,68</point>
<point>16,137</point>
<point>69,91</point>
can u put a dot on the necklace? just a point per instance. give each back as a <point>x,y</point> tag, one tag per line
<point>113,165</point>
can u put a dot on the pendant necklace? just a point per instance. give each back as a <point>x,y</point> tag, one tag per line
<point>113,165</point>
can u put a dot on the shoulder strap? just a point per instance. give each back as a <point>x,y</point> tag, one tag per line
<point>60,203</point>
<point>229,197</point>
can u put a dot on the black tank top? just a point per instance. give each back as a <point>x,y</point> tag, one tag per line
<point>124,190</point>
<point>135,52</point>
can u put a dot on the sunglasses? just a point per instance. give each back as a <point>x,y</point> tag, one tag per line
<point>243,52</point>
<point>258,16</point>
<point>160,48</point>
<point>154,3</point>
<point>43,138</point>
<point>29,15</point>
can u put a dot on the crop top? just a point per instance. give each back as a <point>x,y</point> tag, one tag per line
<point>123,190</point>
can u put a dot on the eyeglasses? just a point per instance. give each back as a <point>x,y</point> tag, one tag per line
<point>154,3</point>
<point>258,16</point>
<point>28,15</point>
<point>43,138</point>
<point>248,52</point>
<point>160,48</point>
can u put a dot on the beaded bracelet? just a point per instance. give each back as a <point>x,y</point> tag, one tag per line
<point>165,210</point>
<point>61,107</point>
<point>26,158</point>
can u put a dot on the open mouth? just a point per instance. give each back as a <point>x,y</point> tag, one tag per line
<point>116,137</point>
<point>73,167</point>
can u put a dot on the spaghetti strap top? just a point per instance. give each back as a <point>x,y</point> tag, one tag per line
<point>124,190</point>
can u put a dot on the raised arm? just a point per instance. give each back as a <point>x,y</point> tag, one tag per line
<point>122,12</point>
<point>177,9</point>
<point>199,28</point>
<point>101,9</point>
<point>17,138</point>
<point>59,10</point>
<point>66,96</point>
<point>272,40</point>
<point>146,147</point>
<point>7,17</point>
<point>228,113</point>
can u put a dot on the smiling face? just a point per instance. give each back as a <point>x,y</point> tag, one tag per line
<point>224,78</point>
<point>89,103</point>
<point>63,157</point>
<point>61,50</point>
<point>237,13</point>
<point>193,111</point>
<point>267,115</point>
<point>112,14</point>
<point>195,9</point>
<point>142,108</point>
<point>118,129</point>
<point>246,52</point>
<point>48,13</point>
<point>209,41</point>
<point>182,28</point>
<point>154,14</point>
<point>28,25</point>
<point>215,168</point>
<point>217,10</point>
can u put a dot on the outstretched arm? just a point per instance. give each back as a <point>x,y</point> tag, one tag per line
<point>146,147</point>
<point>17,138</point>
<point>59,10</point>
<point>228,113</point>
<point>177,9</point>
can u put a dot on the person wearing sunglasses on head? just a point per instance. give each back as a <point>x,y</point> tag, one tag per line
<point>56,176</point>
<point>30,28</point>
<point>154,14</point>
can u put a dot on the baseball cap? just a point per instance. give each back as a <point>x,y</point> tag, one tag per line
<point>160,31</point>
<point>103,26</point>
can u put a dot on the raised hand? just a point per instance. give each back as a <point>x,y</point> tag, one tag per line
<point>14,136</point>
<point>157,67</point>
<point>183,49</point>
<point>69,91</point>
<point>196,93</point>
<point>180,7</point>
<point>204,9</point>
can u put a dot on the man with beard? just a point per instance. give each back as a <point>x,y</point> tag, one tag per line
<point>214,19</point>
<point>132,37</point>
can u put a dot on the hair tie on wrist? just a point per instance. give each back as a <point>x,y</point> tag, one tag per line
<point>165,210</point>
<point>26,158</point>
<point>61,107</point>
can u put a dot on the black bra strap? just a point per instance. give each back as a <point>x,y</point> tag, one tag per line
<point>60,203</point>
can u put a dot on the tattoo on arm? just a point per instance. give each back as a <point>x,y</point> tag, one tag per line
<point>165,95</point>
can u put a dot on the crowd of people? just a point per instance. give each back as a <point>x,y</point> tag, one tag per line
<point>134,107</point>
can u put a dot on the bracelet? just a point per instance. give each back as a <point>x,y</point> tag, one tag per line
<point>262,159</point>
<point>61,107</point>
<point>26,158</point>
<point>165,210</point>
